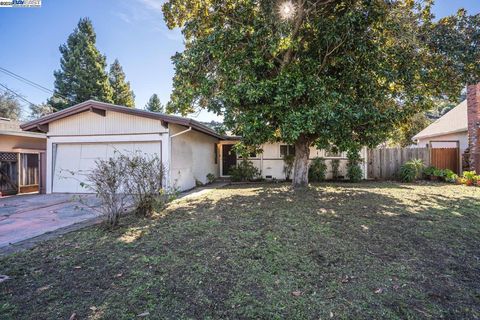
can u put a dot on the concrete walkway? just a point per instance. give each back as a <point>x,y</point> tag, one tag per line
<point>28,219</point>
<point>27,216</point>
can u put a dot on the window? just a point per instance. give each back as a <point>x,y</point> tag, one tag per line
<point>287,150</point>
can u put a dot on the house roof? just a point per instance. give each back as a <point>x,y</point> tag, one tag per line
<point>12,128</point>
<point>453,121</point>
<point>96,106</point>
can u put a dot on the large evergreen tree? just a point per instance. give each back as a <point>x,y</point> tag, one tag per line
<point>154,104</point>
<point>10,108</point>
<point>82,74</point>
<point>326,72</point>
<point>121,92</point>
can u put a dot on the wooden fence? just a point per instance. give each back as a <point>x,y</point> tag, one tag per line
<point>384,163</point>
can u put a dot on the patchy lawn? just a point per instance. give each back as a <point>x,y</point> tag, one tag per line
<point>369,250</point>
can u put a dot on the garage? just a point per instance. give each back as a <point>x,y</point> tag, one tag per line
<point>73,161</point>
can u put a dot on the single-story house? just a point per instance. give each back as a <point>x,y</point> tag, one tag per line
<point>81,134</point>
<point>22,159</point>
<point>458,128</point>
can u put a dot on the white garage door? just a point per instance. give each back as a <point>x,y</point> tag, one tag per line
<point>80,158</point>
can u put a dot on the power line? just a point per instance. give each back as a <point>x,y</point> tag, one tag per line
<point>34,84</point>
<point>17,94</point>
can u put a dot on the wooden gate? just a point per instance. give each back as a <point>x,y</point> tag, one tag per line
<point>446,158</point>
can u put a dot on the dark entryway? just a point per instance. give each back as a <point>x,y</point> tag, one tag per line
<point>229,159</point>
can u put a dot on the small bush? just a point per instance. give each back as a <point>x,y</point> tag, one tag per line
<point>244,171</point>
<point>317,170</point>
<point>469,177</point>
<point>335,169</point>
<point>411,170</point>
<point>429,171</point>
<point>354,172</point>
<point>128,180</point>
<point>211,178</point>
<point>450,176</point>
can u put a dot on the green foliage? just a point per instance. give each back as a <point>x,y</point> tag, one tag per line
<point>405,131</point>
<point>342,72</point>
<point>121,93</point>
<point>82,73</point>
<point>40,110</point>
<point>429,171</point>
<point>244,171</point>
<point>211,178</point>
<point>288,161</point>
<point>412,170</point>
<point>10,108</point>
<point>469,175</point>
<point>317,170</point>
<point>354,172</point>
<point>450,176</point>
<point>154,104</point>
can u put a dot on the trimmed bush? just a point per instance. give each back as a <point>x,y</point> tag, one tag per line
<point>317,170</point>
<point>244,171</point>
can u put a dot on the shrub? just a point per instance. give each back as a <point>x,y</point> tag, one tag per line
<point>107,181</point>
<point>411,170</point>
<point>123,180</point>
<point>439,173</point>
<point>429,171</point>
<point>317,170</point>
<point>288,161</point>
<point>469,177</point>
<point>354,172</point>
<point>211,178</point>
<point>450,176</point>
<point>244,171</point>
<point>335,171</point>
<point>145,181</point>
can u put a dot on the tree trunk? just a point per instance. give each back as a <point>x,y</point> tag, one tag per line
<point>302,153</point>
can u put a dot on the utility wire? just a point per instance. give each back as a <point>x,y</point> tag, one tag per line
<point>34,84</point>
<point>17,94</point>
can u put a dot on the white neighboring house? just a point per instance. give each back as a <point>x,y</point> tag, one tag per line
<point>92,130</point>
<point>449,131</point>
<point>81,134</point>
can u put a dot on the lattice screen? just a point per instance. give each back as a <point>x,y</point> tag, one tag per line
<point>8,156</point>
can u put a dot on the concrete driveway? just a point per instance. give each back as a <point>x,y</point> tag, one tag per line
<point>27,216</point>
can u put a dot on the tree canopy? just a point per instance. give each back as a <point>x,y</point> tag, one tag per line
<point>82,74</point>
<point>40,110</point>
<point>121,93</point>
<point>341,72</point>
<point>154,104</point>
<point>10,108</point>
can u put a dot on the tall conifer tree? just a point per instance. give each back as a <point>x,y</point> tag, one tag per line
<point>122,94</point>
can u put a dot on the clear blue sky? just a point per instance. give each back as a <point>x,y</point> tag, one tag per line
<point>131,30</point>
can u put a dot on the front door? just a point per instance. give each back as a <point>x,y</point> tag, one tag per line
<point>229,159</point>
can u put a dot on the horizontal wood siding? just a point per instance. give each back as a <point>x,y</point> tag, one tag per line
<point>90,123</point>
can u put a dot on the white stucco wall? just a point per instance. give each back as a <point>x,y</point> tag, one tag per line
<point>446,141</point>
<point>271,164</point>
<point>192,157</point>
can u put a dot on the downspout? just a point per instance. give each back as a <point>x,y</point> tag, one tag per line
<point>170,183</point>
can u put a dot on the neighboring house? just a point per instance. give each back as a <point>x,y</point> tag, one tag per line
<point>22,159</point>
<point>458,128</point>
<point>449,131</point>
<point>80,135</point>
